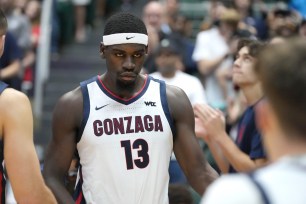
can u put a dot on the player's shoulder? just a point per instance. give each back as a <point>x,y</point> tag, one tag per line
<point>13,102</point>
<point>234,189</point>
<point>13,97</point>
<point>72,94</point>
<point>71,98</point>
<point>174,92</point>
<point>178,101</point>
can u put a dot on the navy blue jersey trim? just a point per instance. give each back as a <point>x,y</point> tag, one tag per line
<point>78,195</point>
<point>164,101</point>
<point>86,106</point>
<point>260,188</point>
<point>2,86</point>
<point>125,102</point>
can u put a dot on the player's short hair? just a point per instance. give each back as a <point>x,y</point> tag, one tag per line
<point>282,71</point>
<point>124,22</point>
<point>254,46</point>
<point>3,23</point>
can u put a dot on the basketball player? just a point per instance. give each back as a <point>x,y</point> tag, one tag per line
<point>124,126</point>
<point>281,118</point>
<point>247,152</point>
<point>16,144</point>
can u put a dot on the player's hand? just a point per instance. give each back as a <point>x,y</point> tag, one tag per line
<point>212,119</point>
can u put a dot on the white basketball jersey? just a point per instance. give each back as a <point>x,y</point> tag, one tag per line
<point>125,145</point>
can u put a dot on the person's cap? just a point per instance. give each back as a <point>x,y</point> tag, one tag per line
<point>167,46</point>
<point>230,15</point>
<point>282,9</point>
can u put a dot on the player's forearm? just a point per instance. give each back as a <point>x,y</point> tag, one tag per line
<point>202,177</point>
<point>60,192</point>
<point>240,161</point>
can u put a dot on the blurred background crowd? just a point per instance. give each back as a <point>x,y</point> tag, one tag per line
<point>192,43</point>
<point>186,24</point>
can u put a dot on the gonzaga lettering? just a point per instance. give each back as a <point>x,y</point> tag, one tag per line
<point>128,125</point>
<point>123,145</point>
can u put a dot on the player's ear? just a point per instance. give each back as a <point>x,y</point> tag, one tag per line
<point>102,50</point>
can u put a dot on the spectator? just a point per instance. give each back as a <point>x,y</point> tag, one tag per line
<point>154,14</point>
<point>80,12</point>
<point>181,31</point>
<point>19,26</point>
<point>167,60</point>
<point>215,10</point>
<point>247,152</point>
<point>212,53</point>
<point>254,23</point>
<point>32,11</point>
<point>283,21</point>
<point>153,42</point>
<point>281,118</point>
<point>10,63</point>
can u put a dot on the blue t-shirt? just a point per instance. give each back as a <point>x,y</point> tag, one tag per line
<point>11,53</point>
<point>249,139</point>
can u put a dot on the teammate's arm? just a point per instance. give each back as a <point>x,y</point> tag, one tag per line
<point>186,147</point>
<point>66,120</point>
<point>20,157</point>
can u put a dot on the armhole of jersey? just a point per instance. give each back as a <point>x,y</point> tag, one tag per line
<point>86,107</point>
<point>78,194</point>
<point>260,188</point>
<point>164,101</point>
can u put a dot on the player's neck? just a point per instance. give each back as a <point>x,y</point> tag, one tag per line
<point>252,93</point>
<point>124,91</point>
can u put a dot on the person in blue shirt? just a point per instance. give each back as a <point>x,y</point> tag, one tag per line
<point>10,62</point>
<point>246,153</point>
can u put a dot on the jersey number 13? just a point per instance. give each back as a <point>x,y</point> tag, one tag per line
<point>143,157</point>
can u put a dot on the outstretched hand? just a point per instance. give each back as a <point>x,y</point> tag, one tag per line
<point>212,120</point>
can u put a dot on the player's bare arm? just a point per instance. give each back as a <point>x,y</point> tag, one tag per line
<point>21,160</point>
<point>66,121</point>
<point>186,147</point>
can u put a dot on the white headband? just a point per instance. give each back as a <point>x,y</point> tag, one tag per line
<point>123,38</point>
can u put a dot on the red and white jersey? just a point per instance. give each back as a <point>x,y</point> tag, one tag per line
<point>124,145</point>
